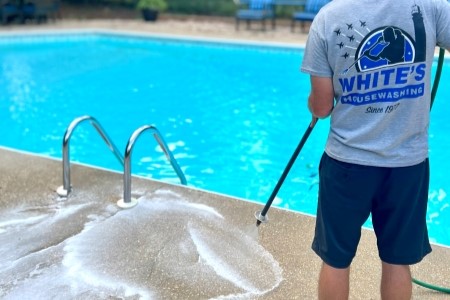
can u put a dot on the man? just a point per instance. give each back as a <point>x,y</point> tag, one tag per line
<point>370,67</point>
<point>393,46</point>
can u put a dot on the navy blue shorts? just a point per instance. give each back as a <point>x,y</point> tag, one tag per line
<point>397,199</point>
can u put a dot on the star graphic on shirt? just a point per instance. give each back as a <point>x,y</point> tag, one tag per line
<point>337,31</point>
<point>349,26</point>
<point>341,44</point>
<point>351,38</point>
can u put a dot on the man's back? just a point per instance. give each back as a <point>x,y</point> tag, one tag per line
<point>379,54</point>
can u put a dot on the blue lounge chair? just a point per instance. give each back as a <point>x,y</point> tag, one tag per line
<point>9,10</point>
<point>28,9</point>
<point>256,10</point>
<point>312,7</point>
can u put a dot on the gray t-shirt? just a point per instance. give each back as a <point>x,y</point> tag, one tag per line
<point>379,54</point>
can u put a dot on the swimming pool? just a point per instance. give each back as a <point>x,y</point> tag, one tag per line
<point>231,113</point>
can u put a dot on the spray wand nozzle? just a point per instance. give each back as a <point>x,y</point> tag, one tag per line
<point>261,218</point>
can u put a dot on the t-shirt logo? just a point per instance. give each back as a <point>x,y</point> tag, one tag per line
<point>389,63</point>
<point>385,46</point>
<point>388,45</point>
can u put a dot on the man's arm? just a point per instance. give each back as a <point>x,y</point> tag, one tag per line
<point>321,98</point>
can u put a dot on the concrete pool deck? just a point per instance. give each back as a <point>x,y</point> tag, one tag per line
<point>45,234</point>
<point>27,188</point>
<point>218,28</point>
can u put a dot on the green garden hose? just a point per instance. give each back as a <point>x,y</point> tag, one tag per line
<point>437,77</point>
<point>431,287</point>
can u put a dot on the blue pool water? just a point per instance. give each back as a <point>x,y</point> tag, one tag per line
<point>232,113</point>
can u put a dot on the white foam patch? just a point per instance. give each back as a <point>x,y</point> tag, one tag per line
<point>32,249</point>
<point>164,248</point>
<point>20,222</point>
<point>242,262</point>
<point>28,230</point>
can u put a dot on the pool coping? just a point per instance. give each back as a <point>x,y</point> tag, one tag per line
<point>142,34</point>
<point>167,36</point>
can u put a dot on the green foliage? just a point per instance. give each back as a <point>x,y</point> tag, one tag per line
<point>203,7</point>
<point>159,5</point>
<point>188,7</point>
<point>98,3</point>
<point>287,11</point>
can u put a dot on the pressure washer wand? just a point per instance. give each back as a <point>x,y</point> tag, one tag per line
<point>261,215</point>
<point>362,56</point>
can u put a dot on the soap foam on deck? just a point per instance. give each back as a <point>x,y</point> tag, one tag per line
<point>164,247</point>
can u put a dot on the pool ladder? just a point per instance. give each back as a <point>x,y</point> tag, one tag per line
<point>125,161</point>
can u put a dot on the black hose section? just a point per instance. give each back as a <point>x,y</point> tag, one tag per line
<point>437,78</point>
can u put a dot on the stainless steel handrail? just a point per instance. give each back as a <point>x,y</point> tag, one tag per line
<point>127,201</point>
<point>66,188</point>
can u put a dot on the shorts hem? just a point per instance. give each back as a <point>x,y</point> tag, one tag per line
<point>405,261</point>
<point>331,262</point>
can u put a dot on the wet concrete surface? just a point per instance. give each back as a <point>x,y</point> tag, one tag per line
<point>177,243</point>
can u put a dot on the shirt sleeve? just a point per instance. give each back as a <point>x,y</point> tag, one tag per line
<point>315,58</point>
<point>443,23</point>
